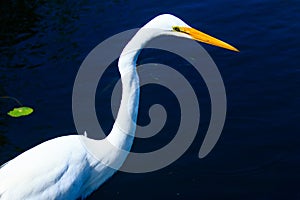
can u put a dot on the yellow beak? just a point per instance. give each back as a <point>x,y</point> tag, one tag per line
<point>202,37</point>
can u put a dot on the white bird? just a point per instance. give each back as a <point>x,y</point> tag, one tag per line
<point>62,168</point>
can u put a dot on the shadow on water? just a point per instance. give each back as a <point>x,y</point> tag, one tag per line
<point>18,20</point>
<point>36,33</point>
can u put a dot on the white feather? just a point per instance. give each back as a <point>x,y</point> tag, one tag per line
<point>62,168</point>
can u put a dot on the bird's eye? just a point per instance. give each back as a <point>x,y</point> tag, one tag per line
<point>176,28</point>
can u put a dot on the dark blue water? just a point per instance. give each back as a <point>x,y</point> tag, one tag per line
<point>258,155</point>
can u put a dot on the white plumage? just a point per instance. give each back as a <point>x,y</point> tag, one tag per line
<point>63,168</point>
<point>57,169</point>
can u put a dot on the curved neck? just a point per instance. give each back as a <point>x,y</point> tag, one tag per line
<point>123,130</point>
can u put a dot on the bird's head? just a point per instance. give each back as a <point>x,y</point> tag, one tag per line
<point>171,25</point>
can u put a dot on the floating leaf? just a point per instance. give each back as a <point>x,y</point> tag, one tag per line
<point>21,111</point>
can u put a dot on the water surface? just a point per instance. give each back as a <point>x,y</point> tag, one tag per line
<point>257,157</point>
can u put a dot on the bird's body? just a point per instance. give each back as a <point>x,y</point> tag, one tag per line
<point>60,168</point>
<point>63,168</point>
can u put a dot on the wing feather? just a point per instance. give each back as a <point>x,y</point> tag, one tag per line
<point>51,170</point>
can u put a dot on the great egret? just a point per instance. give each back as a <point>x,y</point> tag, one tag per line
<point>62,168</point>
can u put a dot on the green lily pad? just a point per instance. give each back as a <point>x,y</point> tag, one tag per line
<point>21,111</point>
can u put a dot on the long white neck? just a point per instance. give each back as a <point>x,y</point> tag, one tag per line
<point>123,130</point>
